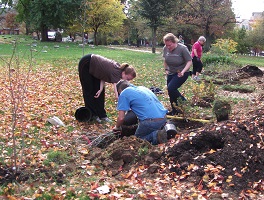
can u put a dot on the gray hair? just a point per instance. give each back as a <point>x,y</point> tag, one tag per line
<point>202,38</point>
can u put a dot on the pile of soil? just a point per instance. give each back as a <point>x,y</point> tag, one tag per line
<point>229,154</point>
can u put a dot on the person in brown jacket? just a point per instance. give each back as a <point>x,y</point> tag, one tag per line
<point>94,71</point>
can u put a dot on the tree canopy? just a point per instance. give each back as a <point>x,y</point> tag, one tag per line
<point>104,16</point>
<point>211,18</point>
<point>154,11</point>
<point>256,37</point>
<point>47,14</point>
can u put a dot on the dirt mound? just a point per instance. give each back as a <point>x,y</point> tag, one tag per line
<point>251,70</point>
<point>124,153</point>
<point>227,156</point>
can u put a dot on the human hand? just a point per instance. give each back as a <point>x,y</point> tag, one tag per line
<point>180,74</point>
<point>97,93</point>
<point>117,130</point>
<point>116,97</point>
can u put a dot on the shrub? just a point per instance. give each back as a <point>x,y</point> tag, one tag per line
<point>224,47</point>
<point>214,58</point>
<point>221,109</point>
<point>221,52</point>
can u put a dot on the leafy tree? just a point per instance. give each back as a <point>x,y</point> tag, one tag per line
<point>154,11</point>
<point>136,28</point>
<point>10,21</point>
<point>104,16</point>
<point>240,36</point>
<point>210,17</point>
<point>256,36</point>
<point>23,10</point>
<point>47,14</point>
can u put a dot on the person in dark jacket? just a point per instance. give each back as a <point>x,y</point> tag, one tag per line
<point>94,71</point>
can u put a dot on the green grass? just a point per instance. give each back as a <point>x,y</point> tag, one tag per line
<point>250,60</point>
<point>149,66</point>
<point>69,54</point>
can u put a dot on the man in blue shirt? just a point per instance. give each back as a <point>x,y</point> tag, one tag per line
<point>149,110</point>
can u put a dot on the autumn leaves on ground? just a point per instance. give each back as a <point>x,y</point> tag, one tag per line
<point>203,161</point>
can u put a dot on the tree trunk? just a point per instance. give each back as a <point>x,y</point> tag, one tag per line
<point>44,34</point>
<point>95,38</point>
<point>209,38</point>
<point>154,39</point>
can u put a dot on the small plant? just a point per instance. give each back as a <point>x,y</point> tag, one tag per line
<point>222,109</point>
<point>57,157</point>
<point>203,93</point>
<point>143,150</point>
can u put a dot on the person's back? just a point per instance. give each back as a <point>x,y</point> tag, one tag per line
<point>149,110</point>
<point>142,101</point>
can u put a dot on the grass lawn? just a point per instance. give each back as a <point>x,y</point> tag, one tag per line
<point>251,60</point>
<point>63,58</point>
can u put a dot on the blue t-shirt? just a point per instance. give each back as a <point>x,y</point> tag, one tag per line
<point>142,101</point>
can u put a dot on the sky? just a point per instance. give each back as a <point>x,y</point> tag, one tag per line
<point>245,8</point>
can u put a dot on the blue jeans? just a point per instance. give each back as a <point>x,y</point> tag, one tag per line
<point>148,130</point>
<point>174,83</point>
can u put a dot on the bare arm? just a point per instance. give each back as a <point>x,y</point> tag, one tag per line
<point>100,90</point>
<point>120,120</point>
<point>186,68</point>
<point>115,89</point>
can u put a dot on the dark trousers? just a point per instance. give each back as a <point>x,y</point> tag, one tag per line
<point>174,83</point>
<point>197,65</point>
<point>90,85</point>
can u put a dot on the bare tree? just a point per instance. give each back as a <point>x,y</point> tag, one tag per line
<point>18,75</point>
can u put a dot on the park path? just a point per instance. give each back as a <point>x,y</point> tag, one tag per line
<point>145,50</point>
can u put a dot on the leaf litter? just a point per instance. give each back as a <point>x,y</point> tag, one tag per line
<point>221,160</point>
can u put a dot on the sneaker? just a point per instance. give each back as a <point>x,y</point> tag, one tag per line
<point>106,119</point>
<point>96,118</point>
<point>196,78</point>
<point>162,136</point>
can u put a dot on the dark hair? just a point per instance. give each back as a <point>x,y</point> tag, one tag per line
<point>128,69</point>
<point>121,85</point>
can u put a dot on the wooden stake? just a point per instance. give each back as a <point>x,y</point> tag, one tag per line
<point>191,119</point>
